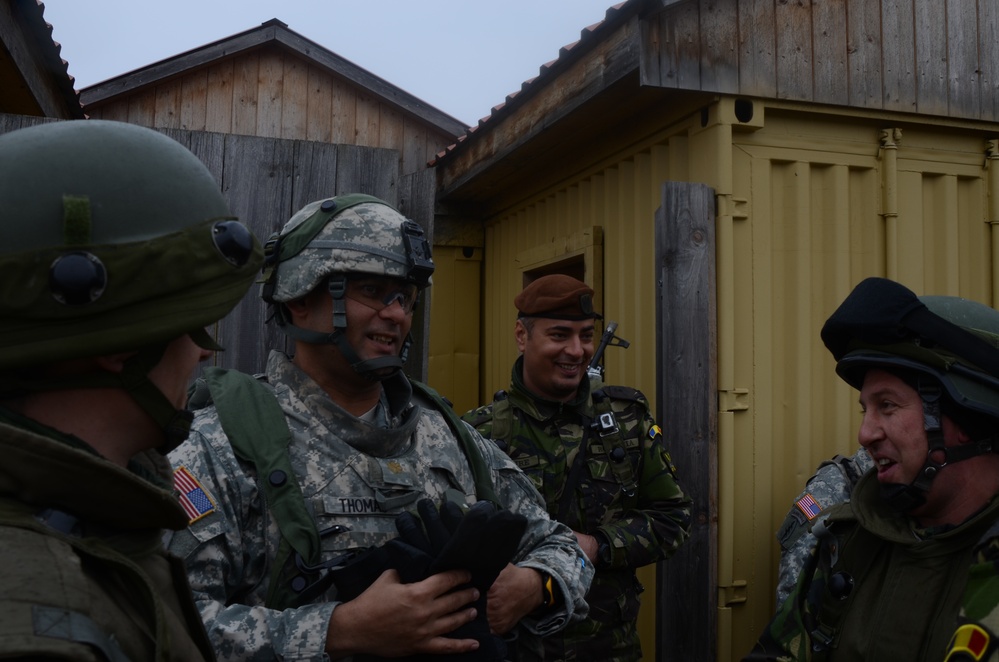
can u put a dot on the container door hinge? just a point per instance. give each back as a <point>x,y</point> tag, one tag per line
<point>733,399</point>
<point>734,594</point>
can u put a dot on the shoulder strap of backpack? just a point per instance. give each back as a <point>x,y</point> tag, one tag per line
<point>844,558</point>
<point>609,431</point>
<point>256,427</point>
<point>480,472</point>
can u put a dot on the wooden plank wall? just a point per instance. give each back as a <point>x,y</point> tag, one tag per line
<point>272,93</point>
<point>921,56</point>
<point>265,180</point>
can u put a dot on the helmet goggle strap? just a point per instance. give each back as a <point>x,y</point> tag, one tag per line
<point>906,497</point>
<point>134,380</point>
<point>373,369</point>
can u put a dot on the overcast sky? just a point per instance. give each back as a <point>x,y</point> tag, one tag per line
<point>460,56</point>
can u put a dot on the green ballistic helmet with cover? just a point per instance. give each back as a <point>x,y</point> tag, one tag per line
<point>330,241</point>
<point>114,238</point>
<point>945,346</point>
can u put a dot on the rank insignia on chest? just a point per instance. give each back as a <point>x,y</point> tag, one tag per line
<point>193,497</point>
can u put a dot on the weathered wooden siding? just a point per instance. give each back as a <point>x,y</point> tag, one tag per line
<point>272,93</point>
<point>930,57</point>
<point>265,181</point>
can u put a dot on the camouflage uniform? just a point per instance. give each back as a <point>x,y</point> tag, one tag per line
<point>355,475</point>
<point>831,484</point>
<point>95,584</point>
<point>641,528</point>
<point>894,568</point>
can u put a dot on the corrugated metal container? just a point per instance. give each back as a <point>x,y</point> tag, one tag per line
<point>809,202</point>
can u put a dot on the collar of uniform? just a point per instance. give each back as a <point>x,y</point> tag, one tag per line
<point>542,408</point>
<point>875,515</point>
<point>46,472</point>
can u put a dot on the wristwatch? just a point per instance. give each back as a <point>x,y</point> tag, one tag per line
<point>603,553</point>
<point>547,592</point>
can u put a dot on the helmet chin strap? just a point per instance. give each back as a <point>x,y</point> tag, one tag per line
<point>904,498</point>
<point>376,369</point>
<point>175,423</point>
<point>134,380</point>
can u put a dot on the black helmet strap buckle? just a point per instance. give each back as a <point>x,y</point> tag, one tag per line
<point>904,498</point>
<point>414,240</point>
<point>938,455</point>
<point>373,369</point>
<point>936,452</point>
<point>338,292</point>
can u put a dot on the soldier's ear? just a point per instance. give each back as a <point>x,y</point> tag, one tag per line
<point>520,335</point>
<point>113,363</point>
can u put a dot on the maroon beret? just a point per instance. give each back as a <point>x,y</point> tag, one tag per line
<point>556,296</point>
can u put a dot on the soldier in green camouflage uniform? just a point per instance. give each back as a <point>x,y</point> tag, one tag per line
<point>831,484</point>
<point>598,458</point>
<point>908,568</point>
<point>116,250</point>
<point>366,444</point>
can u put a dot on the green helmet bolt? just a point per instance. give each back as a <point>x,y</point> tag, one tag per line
<point>114,238</point>
<point>331,239</point>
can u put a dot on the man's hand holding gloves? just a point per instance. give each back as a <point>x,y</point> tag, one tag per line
<point>482,541</point>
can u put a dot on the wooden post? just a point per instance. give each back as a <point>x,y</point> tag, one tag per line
<point>686,376</point>
<point>416,201</point>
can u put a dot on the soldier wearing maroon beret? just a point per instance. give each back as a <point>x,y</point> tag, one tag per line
<point>599,460</point>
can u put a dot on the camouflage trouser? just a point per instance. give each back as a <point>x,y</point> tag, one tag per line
<point>610,633</point>
<point>618,644</point>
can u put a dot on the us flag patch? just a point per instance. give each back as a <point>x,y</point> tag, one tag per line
<point>193,497</point>
<point>809,506</point>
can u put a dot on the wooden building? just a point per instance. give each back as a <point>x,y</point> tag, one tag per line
<point>273,83</point>
<point>304,122</point>
<point>841,139</point>
<point>34,79</point>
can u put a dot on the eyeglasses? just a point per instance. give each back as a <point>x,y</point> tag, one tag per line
<point>379,293</point>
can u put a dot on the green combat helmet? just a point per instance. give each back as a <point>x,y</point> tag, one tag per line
<point>332,239</point>
<point>113,238</point>
<point>949,344</point>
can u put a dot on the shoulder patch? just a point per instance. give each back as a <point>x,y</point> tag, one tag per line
<point>808,506</point>
<point>193,497</point>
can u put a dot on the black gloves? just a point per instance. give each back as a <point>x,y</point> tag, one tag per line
<point>482,541</point>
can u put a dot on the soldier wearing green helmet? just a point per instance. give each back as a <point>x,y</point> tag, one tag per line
<point>325,476</point>
<point>116,250</point>
<point>906,569</point>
